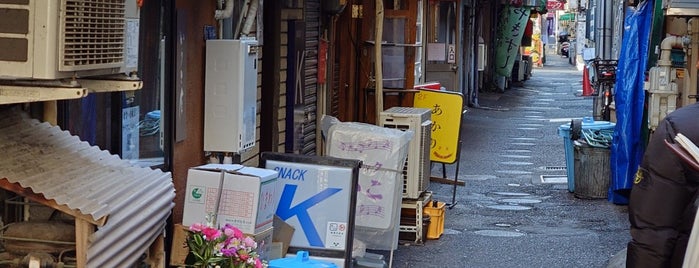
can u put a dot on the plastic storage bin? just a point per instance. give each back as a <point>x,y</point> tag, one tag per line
<point>564,131</point>
<point>302,260</point>
<point>436,210</point>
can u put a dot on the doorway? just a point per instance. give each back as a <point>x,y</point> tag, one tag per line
<point>442,57</point>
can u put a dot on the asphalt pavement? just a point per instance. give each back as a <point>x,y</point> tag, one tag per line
<point>515,209</point>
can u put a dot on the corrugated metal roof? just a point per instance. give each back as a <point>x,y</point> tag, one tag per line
<point>136,201</point>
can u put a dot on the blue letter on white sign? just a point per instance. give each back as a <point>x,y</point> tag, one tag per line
<point>285,211</point>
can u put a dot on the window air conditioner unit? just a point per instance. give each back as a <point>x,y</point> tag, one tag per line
<point>55,39</point>
<point>416,173</point>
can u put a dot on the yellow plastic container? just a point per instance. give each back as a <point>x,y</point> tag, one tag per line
<point>436,210</point>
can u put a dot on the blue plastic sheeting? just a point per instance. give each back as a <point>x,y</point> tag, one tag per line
<point>627,146</point>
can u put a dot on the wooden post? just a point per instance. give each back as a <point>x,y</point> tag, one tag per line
<point>156,253</point>
<point>83,230</point>
<point>51,112</point>
<point>378,64</point>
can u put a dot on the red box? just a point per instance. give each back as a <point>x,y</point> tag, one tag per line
<point>429,85</point>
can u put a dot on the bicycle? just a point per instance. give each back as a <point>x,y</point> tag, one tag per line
<point>603,80</point>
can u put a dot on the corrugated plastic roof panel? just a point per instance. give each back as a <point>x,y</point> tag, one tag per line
<point>136,201</point>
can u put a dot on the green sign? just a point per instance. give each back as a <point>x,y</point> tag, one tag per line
<point>509,38</point>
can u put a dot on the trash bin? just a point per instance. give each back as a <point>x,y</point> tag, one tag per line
<point>564,131</point>
<point>592,171</point>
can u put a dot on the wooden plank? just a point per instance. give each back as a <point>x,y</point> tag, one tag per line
<point>27,93</point>
<point>83,231</point>
<point>292,14</point>
<point>156,253</point>
<point>378,60</point>
<point>448,181</point>
<point>39,198</point>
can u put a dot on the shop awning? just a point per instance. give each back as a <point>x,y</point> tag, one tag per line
<point>129,205</point>
<point>567,16</point>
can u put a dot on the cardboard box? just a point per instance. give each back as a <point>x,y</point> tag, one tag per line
<point>179,250</point>
<point>283,232</point>
<point>264,243</point>
<point>246,201</point>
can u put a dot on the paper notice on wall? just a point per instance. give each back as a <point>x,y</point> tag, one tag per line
<point>131,44</point>
<point>336,235</point>
<point>130,134</point>
<point>436,52</point>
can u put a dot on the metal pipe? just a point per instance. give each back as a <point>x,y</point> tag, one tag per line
<point>250,18</point>
<point>239,24</point>
<point>692,59</point>
<point>37,240</point>
<point>603,23</point>
<point>665,48</point>
<point>225,13</point>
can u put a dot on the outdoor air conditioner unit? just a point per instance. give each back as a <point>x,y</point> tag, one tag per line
<point>55,39</point>
<point>416,173</point>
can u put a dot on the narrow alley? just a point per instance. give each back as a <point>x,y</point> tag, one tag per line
<point>506,215</point>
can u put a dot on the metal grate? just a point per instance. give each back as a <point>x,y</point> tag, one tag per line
<point>92,34</point>
<point>424,171</point>
<point>554,168</point>
<point>554,179</point>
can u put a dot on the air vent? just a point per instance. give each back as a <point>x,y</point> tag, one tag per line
<point>92,34</point>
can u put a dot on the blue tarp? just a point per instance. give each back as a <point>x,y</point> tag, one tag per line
<point>627,146</point>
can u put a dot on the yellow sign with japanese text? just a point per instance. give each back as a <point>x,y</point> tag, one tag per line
<point>447,109</point>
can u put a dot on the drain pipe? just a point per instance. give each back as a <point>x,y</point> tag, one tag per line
<point>225,13</point>
<point>250,17</point>
<point>666,46</point>
<point>661,83</point>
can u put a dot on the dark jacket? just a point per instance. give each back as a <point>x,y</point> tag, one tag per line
<point>662,202</point>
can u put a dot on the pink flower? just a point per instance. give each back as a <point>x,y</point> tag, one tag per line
<point>232,231</point>
<point>249,242</point>
<point>211,234</point>
<point>227,245</point>
<point>196,227</point>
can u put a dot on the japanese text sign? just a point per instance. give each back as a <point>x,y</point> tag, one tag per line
<point>447,108</point>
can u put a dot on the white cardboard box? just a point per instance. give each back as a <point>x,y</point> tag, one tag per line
<point>264,243</point>
<point>247,199</point>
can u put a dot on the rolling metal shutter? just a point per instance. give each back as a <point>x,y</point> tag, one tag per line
<point>312,19</point>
